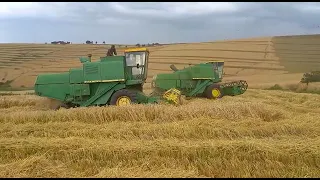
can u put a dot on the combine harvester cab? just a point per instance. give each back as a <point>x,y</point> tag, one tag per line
<point>112,80</point>
<point>201,80</point>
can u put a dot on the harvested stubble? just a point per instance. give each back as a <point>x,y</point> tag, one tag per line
<point>258,134</point>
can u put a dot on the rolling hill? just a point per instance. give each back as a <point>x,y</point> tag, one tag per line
<point>261,61</point>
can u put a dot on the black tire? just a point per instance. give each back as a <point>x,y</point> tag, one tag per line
<point>208,92</point>
<point>129,94</point>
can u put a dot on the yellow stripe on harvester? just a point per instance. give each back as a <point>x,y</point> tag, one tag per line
<point>112,80</point>
<point>215,61</point>
<point>135,49</point>
<point>202,78</point>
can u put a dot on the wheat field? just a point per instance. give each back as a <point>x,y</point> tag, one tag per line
<point>258,134</point>
<point>262,133</point>
<point>263,62</point>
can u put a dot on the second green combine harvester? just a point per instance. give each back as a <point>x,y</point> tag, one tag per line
<point>118,80</point>
<point>200,80</point>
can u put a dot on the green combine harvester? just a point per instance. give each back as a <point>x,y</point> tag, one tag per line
<point>201,80</point>
<point>118,80</point>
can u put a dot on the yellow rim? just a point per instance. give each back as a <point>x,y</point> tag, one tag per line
<point>215,93</point>
<point>123,100</point>
<point>173,95</point>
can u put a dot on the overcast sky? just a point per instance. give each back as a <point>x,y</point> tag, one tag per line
<point>163,22</point>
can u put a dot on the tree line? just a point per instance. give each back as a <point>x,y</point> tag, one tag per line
<point>60,42</point>
<point>96,42</point>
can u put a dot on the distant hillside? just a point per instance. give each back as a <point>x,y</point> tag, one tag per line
<point>260,61</point>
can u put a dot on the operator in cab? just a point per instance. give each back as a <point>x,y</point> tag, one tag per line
<point>112,51</point>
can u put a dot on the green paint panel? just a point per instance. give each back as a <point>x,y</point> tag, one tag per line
<point>174,75</point>
<point>184,75</point>
<point>55,91</point>
<point>167,81</point>
<point>79,90</point>
<point>76,76</point>
<point>91,71</point>
<point>202,71</point>
<point>109,68</point>
<point>53,78</point>
<point>167,84</point>
<point>112,70</point>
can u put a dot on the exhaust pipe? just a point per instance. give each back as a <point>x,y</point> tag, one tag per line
<point>89,56</point>
<point>173,67</point>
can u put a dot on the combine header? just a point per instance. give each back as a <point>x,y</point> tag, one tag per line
<point>118,80</point>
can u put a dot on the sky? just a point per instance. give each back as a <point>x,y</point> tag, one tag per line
<point>151,22</point>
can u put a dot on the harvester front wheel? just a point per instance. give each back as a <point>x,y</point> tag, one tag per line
<point>213,92</point>
<point>123,97</point>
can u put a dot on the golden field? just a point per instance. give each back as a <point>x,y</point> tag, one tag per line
<point>262,133</point>
<point>263,62</point>
<point>258,134</point>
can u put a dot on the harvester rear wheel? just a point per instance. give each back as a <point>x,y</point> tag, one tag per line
<point>213,92</point>
<point>123,97</point>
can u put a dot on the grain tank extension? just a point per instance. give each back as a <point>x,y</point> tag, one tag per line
<point>200,80</point>
<point>111,80</point>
